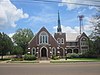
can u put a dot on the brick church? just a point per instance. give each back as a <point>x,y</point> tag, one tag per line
<point>43,44</point>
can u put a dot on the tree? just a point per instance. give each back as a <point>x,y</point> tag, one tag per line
<point>18,51</point>
<point>22,37</point>
<point>96,23</point>
<point>6,44</point>
<point>95,35</point>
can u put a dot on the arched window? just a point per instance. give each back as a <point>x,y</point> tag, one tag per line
<point>43,38</point>
<point>75,50</point>
<point>58,40</point>
<point>62,40</point>
<point>83,41</point>
<point>69,50</point>
<point>53,51</point>
<point>33,51</point>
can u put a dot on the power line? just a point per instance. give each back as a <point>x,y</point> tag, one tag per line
<point>93,0</point>
<point>48,1</point>
<point>69,2</point>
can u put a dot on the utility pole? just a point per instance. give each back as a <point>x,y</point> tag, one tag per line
<point>81,20</point>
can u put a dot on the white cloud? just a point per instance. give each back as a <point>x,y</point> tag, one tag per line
<point>47,18</point>
<point>72,33</point>
<point>9,14</point>
<point>73,6</point>
<point>68,29</point>
<point>11,34</point>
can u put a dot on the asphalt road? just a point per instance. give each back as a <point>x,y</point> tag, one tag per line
<point>82,68</point>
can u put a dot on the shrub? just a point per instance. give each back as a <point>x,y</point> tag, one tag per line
<point>17,59</point>
<point>66,57</point>
<point>54,57</point>
<point>72,55</point>
<point>29,57</point>
<point>88,54</point>
<point>4,59</point>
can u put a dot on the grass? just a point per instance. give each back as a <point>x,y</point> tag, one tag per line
<point>76,60</point>
<point>9,60</point>
<point>86,59</point>
<point>23,62</point>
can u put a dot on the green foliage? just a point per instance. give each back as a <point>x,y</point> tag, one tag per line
<point>6,44</point>
<point>72,55</point>
<point>17,50</point>
<point>17,59</point>
<point>4,59</point>
<point>22,37</point>
<point>54,57</point>
<point>95,35</point>
<point>97,45</point>
<point>89,54</point>
<point>29,57</point>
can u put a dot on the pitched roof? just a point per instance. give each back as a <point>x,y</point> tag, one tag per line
<point>71,36</point>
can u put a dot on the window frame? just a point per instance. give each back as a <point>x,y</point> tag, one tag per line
<point>43,38</point>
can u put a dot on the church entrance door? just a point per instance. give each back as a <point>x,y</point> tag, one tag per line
<point>43,52</point>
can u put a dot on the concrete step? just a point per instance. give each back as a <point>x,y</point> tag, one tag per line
<point>44,61</point>
<point>43,58</point>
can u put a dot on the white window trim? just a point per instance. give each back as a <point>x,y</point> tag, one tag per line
<point>62,40</point>
<point>32,50</point>
<point>83,43</point>
<point>44,38</point>
<point>46,50</point>
<point>54,51</point>
<point>59,40</point>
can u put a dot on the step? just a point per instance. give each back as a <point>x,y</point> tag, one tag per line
<point>44,61</point>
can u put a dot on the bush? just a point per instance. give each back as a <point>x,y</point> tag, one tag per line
<point>72,55</point>
<point>88,54</point>
<point>4,59</point>
<point>29,57</point>
<point>17,59</point>
<point>66,57</point>
<point>54,57</point>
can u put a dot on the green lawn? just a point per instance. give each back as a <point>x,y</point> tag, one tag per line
<point>77,60</point>
<point>86,59</point>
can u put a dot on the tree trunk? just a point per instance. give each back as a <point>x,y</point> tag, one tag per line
<point>2,55</point>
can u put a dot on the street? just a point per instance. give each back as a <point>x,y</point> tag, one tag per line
<point>77,68</point>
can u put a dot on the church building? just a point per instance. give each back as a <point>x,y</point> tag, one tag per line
<point>44,45</point>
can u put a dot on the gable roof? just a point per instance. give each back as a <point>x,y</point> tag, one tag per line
<point>71,36</point>
<point>83,34</point>
<point>43,29</point>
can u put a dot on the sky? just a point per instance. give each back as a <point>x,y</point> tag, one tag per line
<point>15,14</point>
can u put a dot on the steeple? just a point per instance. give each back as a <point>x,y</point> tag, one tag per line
<point>59,24</point>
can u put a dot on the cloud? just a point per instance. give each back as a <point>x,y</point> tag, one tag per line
<point>73,6</point>
<point>11,34</point>
<point>9,14</point>
<point>72,33</point>
<point>75,30</point>
<point>47,18</point>
<point>68,29</point>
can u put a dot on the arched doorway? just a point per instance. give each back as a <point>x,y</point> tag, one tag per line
<point>61,52</point>
<point>43,52</point>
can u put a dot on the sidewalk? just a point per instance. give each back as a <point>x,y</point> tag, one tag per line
<point>44,61</point>
<point>3,62</point>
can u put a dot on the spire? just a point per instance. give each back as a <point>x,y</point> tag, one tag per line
<point>59,24</point>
